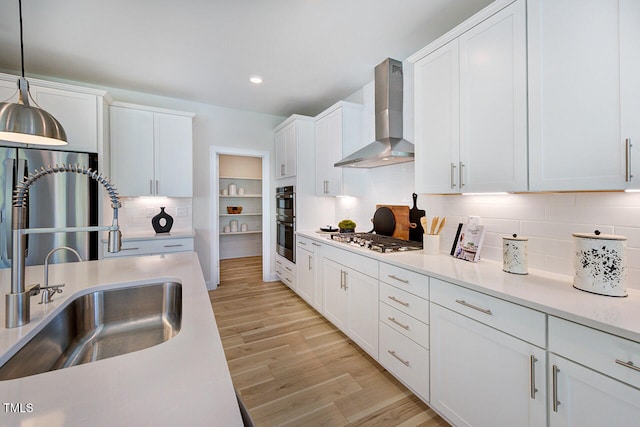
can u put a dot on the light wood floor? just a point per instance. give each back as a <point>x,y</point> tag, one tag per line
<point>293,368</point>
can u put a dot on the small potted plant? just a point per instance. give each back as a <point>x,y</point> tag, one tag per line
<point>347,226</point>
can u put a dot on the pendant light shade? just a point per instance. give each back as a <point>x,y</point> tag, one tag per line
<point>20,122</point>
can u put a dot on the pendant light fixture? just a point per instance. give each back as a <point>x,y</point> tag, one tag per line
<point>23,123</point>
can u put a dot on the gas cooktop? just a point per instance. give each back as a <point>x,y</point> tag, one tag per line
<point>377,242</point>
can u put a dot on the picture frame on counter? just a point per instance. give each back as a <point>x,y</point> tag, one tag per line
<point>468,242</point>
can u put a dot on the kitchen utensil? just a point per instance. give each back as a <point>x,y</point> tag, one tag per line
<point>415,215</point>
<point>514,254</point>
<point>600,263</point>
<point>434,224</point>
<point>424,221</point>
<point>384,222</point>
<point>401,215</point>
<point>443,221</point>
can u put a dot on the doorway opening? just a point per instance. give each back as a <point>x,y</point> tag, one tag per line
<point>240,204</point>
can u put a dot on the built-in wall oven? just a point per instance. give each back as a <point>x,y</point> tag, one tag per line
<point>286,222</point>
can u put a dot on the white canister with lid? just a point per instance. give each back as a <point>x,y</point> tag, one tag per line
<point>232,189</point>
<point>514,254</point>
<point>600,263</point>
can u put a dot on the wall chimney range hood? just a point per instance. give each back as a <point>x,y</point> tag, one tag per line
<point>389,148</point>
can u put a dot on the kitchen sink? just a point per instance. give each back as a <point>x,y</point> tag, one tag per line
<point>100,325</point>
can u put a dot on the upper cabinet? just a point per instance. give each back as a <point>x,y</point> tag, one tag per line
<point>584,94</point>
<point>335,128</point>
<point>79,110</point>
<point>286,149</point>
<point>471,107</point>
<point>151,151</point>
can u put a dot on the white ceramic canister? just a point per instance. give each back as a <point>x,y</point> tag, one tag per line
<point>232,189</point>
<point>241,191</point>
<point>244,227</point>
<point>600,263</point>
<point>514,254</point>
<point>233,224</point>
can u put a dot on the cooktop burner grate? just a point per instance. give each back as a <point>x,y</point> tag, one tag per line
<point>377,242</point>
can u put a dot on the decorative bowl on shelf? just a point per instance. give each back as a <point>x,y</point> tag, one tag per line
<point>234,209</point>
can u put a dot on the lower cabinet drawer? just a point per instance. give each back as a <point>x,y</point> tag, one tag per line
<point>408,326</point>
<point>408,303</point>
<point>151,247</point>
<point>405,359</point>
<point>286,277</point>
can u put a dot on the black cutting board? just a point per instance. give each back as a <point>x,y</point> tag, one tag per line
<point>415,214</point>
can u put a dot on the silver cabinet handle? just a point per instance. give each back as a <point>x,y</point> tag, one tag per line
<point>532,376</point>
<point>278,262</point>
<point>173,246</point>
<point>628,364</point>
<point>393,319</point>
<point>316,244</point>
<point>392,298</point>
<point>288,268</point>
<point>462,166</point>
<point>287,279</point>
<point>554,388</point>
<point>157,186</point>
<point>398,278</point>
<point>341,279</point>
<point>129,249</point>
<point>326,186</point>
<point>628,146</point>
<point>302,243</point>
<point>453,175</point>
<point>393,353</point>
<point>150,186</point>
<point>475,307</point>
<point>345,280</point>
<point>310,259</point>
<point>282,171</point>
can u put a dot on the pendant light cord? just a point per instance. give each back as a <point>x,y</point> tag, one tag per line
<point>21,43</point>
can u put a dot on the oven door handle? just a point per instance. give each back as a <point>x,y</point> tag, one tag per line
<point>285,223</point>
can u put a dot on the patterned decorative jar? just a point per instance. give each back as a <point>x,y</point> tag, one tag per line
<point>600,264</point>
<point>514,254</point>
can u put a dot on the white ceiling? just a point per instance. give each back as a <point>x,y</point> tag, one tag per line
<point>310,53</point>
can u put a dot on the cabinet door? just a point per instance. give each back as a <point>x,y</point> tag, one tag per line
<point>334,305</point>
<point>328,131</point>
<point>630,84</point>
<point>305,274</point>
<point>493,103</point>
<point>437,121</point>
<point>484,377</point>
<point>132,151</point>
<point>285,156</point>
<point>587,398</point>
<point>575,141</point>
<point>77,113</point>
<point>362,324</point>
<point>9,90</point>
<point>173,167</point>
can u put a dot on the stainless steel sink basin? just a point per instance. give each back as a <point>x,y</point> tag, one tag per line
<point>100,325</point>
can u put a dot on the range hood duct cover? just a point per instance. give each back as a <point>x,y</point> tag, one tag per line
<point>389,147</point>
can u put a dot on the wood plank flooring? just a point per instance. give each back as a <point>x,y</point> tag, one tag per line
<point>293,368</point>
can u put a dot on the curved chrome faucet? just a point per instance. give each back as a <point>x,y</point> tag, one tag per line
<point>49,291</point>
<point>17,303</point>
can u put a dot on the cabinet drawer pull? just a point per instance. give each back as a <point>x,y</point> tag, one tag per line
<point>393,319</point>
<point>393,353</point>
<point>532,375</point>
<point>173,246</point>
<point>288,268</point>
<point>279,273</point>
<point>628,364</point>
<point>392,298</point>
<point>129,249</point>
<point>316,244</point>
<point>554,388</point>
<point>278,262</point>
<point>287,279</point>
<point>150,186</point>
<point>475,307</point>
<point>394,277</point>
<point>302,243</point>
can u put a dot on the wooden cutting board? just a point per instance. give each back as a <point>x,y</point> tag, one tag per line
<point>401,213</point>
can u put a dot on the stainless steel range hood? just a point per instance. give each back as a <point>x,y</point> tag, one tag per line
<point>389,147</point>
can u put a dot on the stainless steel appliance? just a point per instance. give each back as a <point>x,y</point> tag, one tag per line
<point>286,222</point>
<point>59,200</point>
<point>377,242</point>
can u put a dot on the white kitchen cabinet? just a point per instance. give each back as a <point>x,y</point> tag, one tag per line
<point>593,376</point>
<point>337,129</point>
<point>286,272</point>
<point>150,246</point>
<point>78,109</point>
<point>350,297</point>
<point>584,95</point>
<point>151,151</point>
<point>286,148</point>
<point>305,265</point>
<point>485,368</point>
<point>471,108</point>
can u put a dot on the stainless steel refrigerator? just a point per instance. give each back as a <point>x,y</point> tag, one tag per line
<point>56,200</point>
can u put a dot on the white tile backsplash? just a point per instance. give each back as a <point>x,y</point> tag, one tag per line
<point>133,217</point>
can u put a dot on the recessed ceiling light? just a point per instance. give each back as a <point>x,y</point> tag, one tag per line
<point>255,79</point>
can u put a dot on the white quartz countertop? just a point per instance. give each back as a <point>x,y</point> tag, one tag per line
<point>183,381</point>
<point>546,292</point>
<point>152,235</point>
